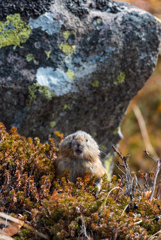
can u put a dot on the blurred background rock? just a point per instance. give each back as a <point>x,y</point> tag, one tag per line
<point>141,127</point>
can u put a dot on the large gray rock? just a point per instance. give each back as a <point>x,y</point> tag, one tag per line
<point>75,67</point>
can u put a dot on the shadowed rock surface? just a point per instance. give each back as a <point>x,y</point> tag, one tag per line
<point>73,65</point>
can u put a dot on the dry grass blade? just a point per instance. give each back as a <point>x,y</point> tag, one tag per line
<point>4,237</point>
<point>152,237</point>
<point>8,217</point>
<point>2,221</point>
<point>15,226</point>
<point>12,229</point>
<point>143,130</point>
<point>35,231</point>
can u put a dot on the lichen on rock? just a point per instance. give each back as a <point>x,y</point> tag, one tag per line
<point>83,62</point>
<point>13,31</point>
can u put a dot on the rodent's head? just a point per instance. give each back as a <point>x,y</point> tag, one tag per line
<point>79,145</point>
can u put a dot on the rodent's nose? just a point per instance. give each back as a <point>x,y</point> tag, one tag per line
<point>78,145</point>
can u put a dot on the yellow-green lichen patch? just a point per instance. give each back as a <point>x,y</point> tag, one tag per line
<point>52,124</point>
<point>66,106</point>
<point>53,115</point>
<point>32,94</point>
<point>120,78</point>
<point>102,147</point>
<point>95,84</point>
<point>67,49</point>
<point>48,53</point>
<point>29,57</point>
<point>14,31</point>
<point>116,131</point>
<point>70,74</point>
<point>36,62</point>
<point>94,134</point>
<point>118,106</point>
<point>42,89</point>
<point>67,33</point>
<point>107,166</point>
<point>159,20</point>
<point>46,92</point>
<point>97,21</point>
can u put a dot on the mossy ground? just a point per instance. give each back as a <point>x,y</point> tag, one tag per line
<point>63,210</point>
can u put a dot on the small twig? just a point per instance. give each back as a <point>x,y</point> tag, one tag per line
<point>120,169</point>
<point>159,194</point>
<point>158,182</point>
<point>119,188</point>
<point>119,154</point>
<point>116,232</point>
<point>83,228</point>
<point>154,235</point>
<point>149,155</point>
<point>151,158</point>
<point>130,181</point>
<point>155,178</point>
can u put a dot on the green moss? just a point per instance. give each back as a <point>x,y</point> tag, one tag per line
<point>120,78</point>
<point>52,124</point>
<point>29,57</point>
<point>53,115</point>
<point>94,134</point>
<point>67,49</point>
<point>95,83</point>
<point>18,33</point>
<point>70,74</point>
<point>48,53</point>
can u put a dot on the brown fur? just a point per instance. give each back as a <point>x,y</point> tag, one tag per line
<point>79,153</point>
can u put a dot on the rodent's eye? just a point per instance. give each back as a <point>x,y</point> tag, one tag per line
<point>73,137</point>
<point>86,140</point>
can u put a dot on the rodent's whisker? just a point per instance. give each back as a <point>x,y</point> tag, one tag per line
<point>103,152</point>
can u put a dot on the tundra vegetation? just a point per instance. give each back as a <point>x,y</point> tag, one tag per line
<point>59,209</point>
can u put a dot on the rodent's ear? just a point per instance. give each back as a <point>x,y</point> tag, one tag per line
<point>99,152</point>
<point>66,143</point>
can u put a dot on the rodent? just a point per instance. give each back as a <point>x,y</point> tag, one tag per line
<point>79,152</point>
